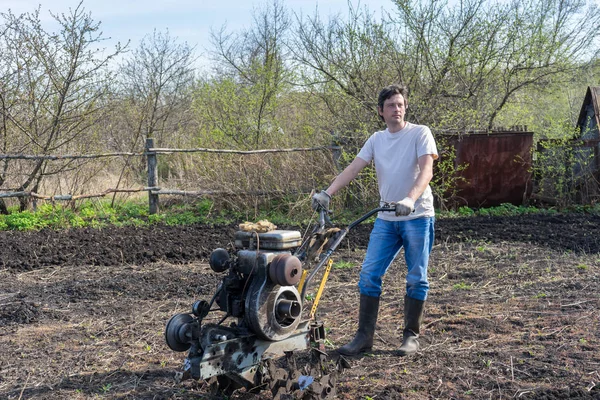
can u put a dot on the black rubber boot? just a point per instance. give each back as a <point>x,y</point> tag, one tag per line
<point>367,317</point>
<point>413,316</point>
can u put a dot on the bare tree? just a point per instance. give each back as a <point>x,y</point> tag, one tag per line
<point>475,56</point>
<point>52,87</point>
<point>463,63</point>
<point>254,62</point>
<point>345,62</point>
<point>154,86</point>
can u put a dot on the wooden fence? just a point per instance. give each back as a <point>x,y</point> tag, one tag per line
<point>151,153</point>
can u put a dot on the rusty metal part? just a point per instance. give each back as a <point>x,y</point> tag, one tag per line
<point>285,270</point>
<point>320,241</point>
<point>496,167</point>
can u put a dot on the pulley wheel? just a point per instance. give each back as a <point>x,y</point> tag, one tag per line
<point>273,311</point>
<point>285,270</point>
<point>175,332</point>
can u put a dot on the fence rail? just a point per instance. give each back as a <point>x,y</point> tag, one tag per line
<point>64,157</point>
<point>153,189</point>
<point>69,197</point>
<point>159,150</point>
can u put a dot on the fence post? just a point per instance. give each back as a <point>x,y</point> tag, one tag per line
<point>152,176</point>
<point>336,154</point>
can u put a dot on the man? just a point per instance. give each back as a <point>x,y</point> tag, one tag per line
<point>403,155</point>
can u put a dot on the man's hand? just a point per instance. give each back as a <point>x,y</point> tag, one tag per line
<point>405,207</point>
<point>321,200</point>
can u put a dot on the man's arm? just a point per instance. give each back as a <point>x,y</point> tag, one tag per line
<point>347,175</point>
<point>407,205</point>
<point>424,177</point>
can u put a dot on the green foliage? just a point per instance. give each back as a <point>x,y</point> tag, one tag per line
<point>462,286</point>
<point>446,177</point>
<point>181,218</point>
<point>343,265</point>
<point>465,211</point>
<point>361,194</point>
<point>22,221</point>
<point>564,170</point>
<point>100,214</point>
<point>95,215</point>
<point>507,209</point>
<point>241,100</point>
<point>503,210</point>
<point>106,388</point>
<point>131,209</point>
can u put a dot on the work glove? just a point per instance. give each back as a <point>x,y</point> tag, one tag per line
<point>321,200</point>
<point>404,207</point>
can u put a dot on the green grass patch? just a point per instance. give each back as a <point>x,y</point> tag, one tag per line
<point>343,265</point>
<point>461,286</point>
<point>97,214</point>
<point>508,210</point>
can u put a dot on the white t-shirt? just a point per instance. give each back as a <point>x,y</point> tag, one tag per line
<point>395,156</point>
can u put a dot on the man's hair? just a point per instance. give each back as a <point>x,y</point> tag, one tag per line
<point>390,91</point>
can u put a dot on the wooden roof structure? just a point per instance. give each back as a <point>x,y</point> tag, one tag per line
<point>589,116</point>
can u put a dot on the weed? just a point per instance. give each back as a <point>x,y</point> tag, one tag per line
<point>106,388</point>
<point>583,267</point>
<point>462,286</point>
<point>97,214</point>
<point>465,211</point>
<point>22,221</point>
<point>343,265</point>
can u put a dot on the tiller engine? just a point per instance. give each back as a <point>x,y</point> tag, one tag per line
<point>264,288</point>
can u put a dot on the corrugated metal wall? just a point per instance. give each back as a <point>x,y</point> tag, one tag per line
<point>498,167</point>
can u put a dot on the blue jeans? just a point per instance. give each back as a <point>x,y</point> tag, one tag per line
<point>387,238</point>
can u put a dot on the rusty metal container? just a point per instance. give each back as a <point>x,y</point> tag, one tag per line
<point>498,167</point>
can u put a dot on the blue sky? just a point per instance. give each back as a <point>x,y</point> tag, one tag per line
<point>188,20</point>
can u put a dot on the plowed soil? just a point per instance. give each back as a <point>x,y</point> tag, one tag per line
<point>513,312</point>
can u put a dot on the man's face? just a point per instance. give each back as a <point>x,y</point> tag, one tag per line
<point>393,110</point>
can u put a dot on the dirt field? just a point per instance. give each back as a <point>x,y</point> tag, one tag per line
<point>513,312</point>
